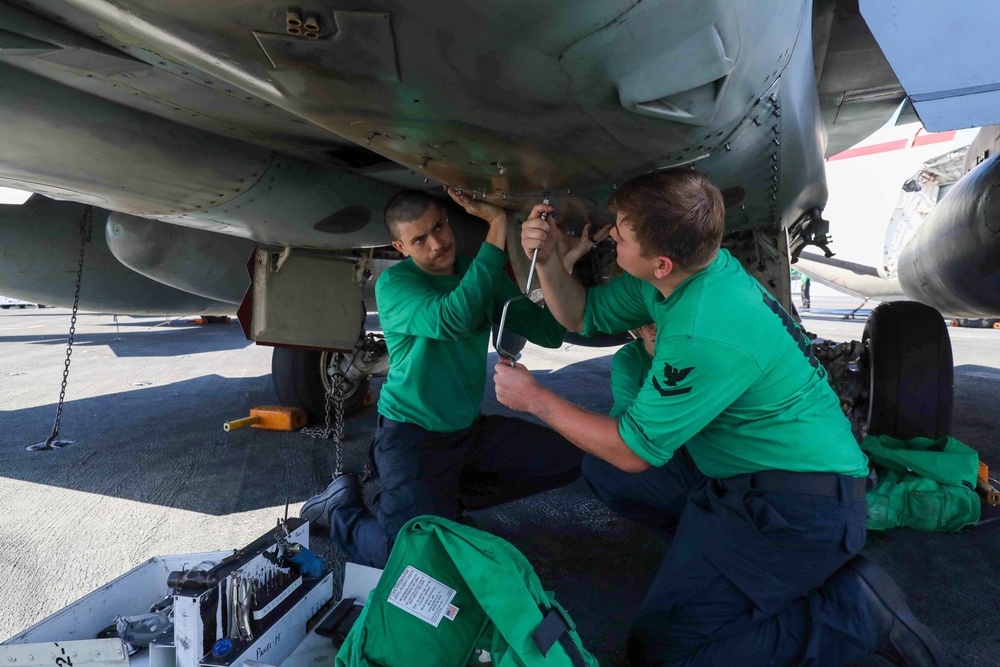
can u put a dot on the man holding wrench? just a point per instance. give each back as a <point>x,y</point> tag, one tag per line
<point>768,508</point>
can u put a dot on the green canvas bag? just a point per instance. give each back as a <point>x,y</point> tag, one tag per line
<point>923,484</point>
<point>448,590</point>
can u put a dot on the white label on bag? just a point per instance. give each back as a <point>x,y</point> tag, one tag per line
<point>420,595</point>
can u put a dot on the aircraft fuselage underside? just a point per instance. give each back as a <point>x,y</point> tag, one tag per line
<point>217,118</point>
<point>224,120</point>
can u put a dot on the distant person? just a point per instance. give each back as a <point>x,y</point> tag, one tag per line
<point>804,283</point>
<point>630,366</point>
<point>433,451</point>
<point>768,504</point>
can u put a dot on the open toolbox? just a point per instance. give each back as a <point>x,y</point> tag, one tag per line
<point>252,606</point>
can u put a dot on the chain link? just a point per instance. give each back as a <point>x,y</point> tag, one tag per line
<point>86,234</point>
<point>328,400</point>
<point>335,397</point>
<point>338,432</point>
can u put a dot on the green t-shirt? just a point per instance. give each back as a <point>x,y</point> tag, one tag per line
<point>437,329</point>
<point>629,368</point>
<point>733,377</point>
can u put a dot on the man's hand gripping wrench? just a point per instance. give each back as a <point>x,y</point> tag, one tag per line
<point>509,355</point>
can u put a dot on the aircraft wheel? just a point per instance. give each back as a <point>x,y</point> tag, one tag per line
<point>301,380</point>
<point>911,376</point>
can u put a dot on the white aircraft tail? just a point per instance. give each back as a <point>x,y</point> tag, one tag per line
<point>881,191</point>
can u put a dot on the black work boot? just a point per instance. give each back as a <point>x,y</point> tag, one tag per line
<point>903,640</point>
<point>343,489</point>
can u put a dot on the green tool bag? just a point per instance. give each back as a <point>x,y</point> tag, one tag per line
<point>449,590</point>
<point>923,484</point>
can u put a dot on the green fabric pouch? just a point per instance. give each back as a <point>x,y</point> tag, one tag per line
<point>923,484</point>
<point>497,605</point>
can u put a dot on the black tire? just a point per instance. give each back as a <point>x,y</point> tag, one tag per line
<point>299,381</point>
<point>908,356</point>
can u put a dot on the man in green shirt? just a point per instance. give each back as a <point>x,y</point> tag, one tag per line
<point>629,368</point>
<point>433,451</point>
<point>768,510</point>
<point>629,371</point>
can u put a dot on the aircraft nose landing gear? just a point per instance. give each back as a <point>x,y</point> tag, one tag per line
<point>304,378</point>
<point>911,376</point>
<point>898,380</point>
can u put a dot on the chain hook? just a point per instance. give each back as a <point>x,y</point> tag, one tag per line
<point>86,234</point>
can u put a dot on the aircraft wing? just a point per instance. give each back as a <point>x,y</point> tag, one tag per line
<point>850,278</point>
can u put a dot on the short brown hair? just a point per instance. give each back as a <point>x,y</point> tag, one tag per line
<point>676,212</point>
<point>407,206</point>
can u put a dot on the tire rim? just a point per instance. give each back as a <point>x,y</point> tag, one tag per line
<point>338,361</point>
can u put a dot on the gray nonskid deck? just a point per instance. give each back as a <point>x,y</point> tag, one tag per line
<point>153,473</point>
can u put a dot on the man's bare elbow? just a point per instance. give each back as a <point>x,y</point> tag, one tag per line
<point>633,464</point>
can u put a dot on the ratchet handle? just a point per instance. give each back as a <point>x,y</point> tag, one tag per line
<point>534,255</point>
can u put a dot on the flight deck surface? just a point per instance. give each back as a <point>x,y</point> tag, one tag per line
<point>153,473</point>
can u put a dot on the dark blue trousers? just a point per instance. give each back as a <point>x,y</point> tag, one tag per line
<point>750,577</point>
<point>496,460</point>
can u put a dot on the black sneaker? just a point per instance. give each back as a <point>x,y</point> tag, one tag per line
<point>343,489</point>
<point>903,640</point>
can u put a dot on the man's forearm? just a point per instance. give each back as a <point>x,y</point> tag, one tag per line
<point>593,433</point>
<point>497,234</point>
<point>565,297</point>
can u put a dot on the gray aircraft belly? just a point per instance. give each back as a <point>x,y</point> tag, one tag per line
<point>508,101</point>
<point>217,118</point>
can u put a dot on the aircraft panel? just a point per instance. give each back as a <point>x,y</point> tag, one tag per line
<point>943,56</point>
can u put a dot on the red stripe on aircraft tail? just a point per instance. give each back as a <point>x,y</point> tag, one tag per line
<point>859,151</point>
<point>933,138</point>
<point>921,139</point>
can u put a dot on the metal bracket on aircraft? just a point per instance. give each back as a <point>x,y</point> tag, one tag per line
<point>810,229</point>
<point>305,298</point>
<point>278,259</point>
<point>363,268</point>
<point>362,265</point>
